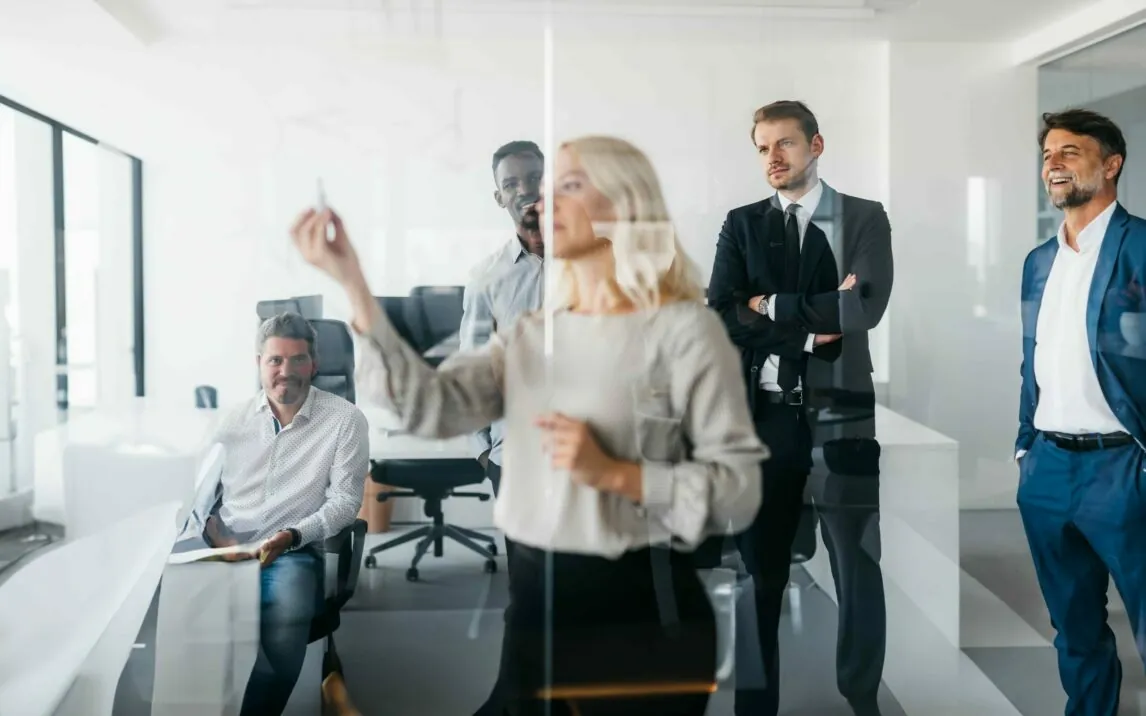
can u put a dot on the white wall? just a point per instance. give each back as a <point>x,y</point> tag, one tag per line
<point>402,139</point>
<point>962,118</point>
<point>416,191</point>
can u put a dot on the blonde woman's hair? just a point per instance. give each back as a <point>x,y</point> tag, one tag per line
<point>651,266</point>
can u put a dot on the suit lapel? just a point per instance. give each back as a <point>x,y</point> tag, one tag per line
<point>768,234</point>
<point>1103,271</point>
<point>815,244</point>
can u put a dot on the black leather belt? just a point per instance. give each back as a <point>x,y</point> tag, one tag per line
<point>787,397</point>
<point>1088,441</point>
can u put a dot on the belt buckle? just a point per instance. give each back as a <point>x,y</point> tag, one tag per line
<point>795,397</point>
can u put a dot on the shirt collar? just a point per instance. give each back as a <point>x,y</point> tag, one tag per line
<point>1092,234</point>
<point>515,250</point>
<point>264,405</point>
<point>808,202</point>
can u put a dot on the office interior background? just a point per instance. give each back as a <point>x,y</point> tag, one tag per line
<point>154,152</point>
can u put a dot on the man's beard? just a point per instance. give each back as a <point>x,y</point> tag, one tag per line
<point>531,220</point>
<point>291,391</point>
<point>794,180</point>
<point>1080,193</point>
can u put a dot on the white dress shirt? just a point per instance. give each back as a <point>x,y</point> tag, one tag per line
<point>1070,399</point>
<point>770,371</point>
<point>307,475</point>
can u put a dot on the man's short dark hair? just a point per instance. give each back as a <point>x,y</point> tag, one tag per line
<point>786,109</point>
<point>1086,123</point>
<point>519,146</point>
<point>291,326</point>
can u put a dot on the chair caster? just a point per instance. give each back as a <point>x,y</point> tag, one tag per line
<point>493,549</point>
<point>490,566</point>
<point>371,562</point>
<point>412,574</point>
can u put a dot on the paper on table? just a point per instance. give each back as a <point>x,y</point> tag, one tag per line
<point>214,554</point>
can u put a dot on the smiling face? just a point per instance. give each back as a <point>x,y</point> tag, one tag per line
<point>1074,168</point>
<point>518,178</point>
<point>286,369</point>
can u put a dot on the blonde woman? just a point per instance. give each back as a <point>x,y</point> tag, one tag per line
<point>631,442</point>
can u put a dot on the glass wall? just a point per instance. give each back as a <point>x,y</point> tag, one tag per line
<point>1109,78</point>
<point>70,241</point>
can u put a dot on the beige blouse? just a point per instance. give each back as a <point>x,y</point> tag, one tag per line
<point>662,388</point>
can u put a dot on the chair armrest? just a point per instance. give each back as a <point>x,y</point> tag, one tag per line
<point>348,545</point>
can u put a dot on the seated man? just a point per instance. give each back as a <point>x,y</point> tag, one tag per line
<point>295,459</point>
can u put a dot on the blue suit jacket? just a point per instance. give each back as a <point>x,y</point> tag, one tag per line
<point>1115,324</point>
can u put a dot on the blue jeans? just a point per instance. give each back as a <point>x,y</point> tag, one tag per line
<point>291,594</point>
<point>1083,517</point>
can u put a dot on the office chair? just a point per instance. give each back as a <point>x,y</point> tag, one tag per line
<point>335,349</point>
<point>433,314</point>
<point>395,309</point>
<point>206,397</point>
<point>335,375</point>
<point>309,307</point>
<point>433,481</point>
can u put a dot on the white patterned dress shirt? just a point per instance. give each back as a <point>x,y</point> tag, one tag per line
<point>307,475</point>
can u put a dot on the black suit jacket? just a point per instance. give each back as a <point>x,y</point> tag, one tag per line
<point>860,237</point>
<point>748,252</point>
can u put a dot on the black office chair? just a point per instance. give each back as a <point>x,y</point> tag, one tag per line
<point>309,307</point>
<point>335,349</point>
<point>206,397</point>
<point>433,314</point>
<point>433,481</point>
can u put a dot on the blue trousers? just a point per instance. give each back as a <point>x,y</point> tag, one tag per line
<point>1085,518</point>
<point>291,594</point>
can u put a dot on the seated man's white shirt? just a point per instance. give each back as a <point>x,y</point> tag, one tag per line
<point>307,475</point>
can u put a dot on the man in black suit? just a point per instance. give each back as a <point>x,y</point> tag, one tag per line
<point>776,283</point>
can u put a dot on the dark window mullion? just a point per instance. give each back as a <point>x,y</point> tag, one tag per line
<point>61,268</point>
<point>137,268</point>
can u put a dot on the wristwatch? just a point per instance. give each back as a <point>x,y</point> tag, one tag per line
<point>762,305</point>
<point>295,537</point>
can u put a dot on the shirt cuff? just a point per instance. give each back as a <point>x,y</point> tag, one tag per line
<point>310,530</point>
<point>810,344</point>
<point>1019,455</point>
<point>656,485</point>
<point>770,303</point>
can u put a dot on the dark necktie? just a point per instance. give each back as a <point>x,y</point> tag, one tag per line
<point>789,373</point>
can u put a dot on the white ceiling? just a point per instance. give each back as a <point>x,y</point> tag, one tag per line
<point>276,21</point>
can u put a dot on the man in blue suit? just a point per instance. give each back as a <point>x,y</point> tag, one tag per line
<point>1082,411</point>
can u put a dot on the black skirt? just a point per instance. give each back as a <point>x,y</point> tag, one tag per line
<point>595,636</point>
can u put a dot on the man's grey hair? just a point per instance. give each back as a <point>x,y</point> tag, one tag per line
<point>288,325</point>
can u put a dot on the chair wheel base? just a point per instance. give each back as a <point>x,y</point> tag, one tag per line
<point>371,562</point>
<point>490,566</point>
<point>412,574</point>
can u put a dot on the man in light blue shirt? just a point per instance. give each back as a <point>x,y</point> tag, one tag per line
<point>507,284</point>
<point>502,288</point>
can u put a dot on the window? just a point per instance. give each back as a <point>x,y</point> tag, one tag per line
<point>71,318</point>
